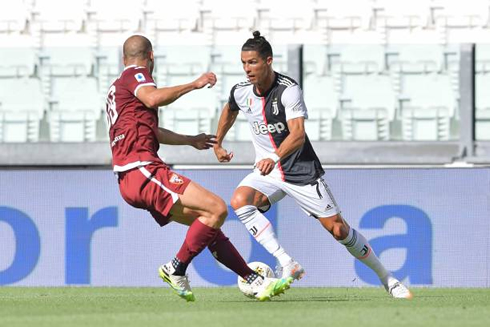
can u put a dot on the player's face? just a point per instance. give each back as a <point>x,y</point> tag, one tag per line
<point>256,68</point>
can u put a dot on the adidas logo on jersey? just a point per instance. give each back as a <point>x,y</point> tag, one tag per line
<point>269,128</point>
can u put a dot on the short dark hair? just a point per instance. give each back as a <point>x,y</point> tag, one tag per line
<point>260,44</point>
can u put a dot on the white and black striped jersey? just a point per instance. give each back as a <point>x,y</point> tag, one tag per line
<point>267,116</point>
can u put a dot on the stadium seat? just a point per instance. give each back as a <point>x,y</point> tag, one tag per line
<point>370,124</point>
<point>482,124</point>
<point>20,114</point>
<point>284,22</point>
<point>19,127</point>
<point>365,91</point>
<point>14,19</point>
<point>318,126</point>
<point>228,76</point>
<point>108,67</point>
<point>52,29</point>
<point>404,21</point>
<point>433,56</point>
<point>347,15</point>
<point>64,63</point>
<point>181,60</point>
<point>226,23</point>
<point>189,121</point>
<point>320,92</point>
<point>46,15</point>
<point>68,60</point>
<point>192,113</point>
<point>75,106</point>
<point>345,22</point>
<point>316,59</point>
<point>240,131</point>
<point>425,124</point>
<point>174,23</point>
<point>175,17</point>
<point>372,55</point>
<point>460,22</point>
<point>66,126</point>
<point>110,23</point>
<point>428,90</point>
<point>482,81</point>
<point>18,61</point>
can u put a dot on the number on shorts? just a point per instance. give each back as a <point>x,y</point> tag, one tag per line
<point>111,106</point>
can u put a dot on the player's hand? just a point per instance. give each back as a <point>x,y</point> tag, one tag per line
<point>265,166</point>
<point>222,154</point>
<point>203,141</point>
<point>205,79</point>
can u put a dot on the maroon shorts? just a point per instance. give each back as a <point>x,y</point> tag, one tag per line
<point>153,187</point>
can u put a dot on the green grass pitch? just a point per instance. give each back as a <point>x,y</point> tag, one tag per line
<point>303,307</point>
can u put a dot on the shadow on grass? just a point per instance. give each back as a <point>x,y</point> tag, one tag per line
<point>312,299</point>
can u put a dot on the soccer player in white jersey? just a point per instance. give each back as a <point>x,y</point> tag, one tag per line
<point>285,163</point>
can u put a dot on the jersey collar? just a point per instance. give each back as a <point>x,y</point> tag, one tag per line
<point>276,76</point>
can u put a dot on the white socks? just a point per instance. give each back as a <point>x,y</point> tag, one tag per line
<point>262,230</point>
<point>359,247</point>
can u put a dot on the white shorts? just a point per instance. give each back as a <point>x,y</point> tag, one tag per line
<point>316,199</point>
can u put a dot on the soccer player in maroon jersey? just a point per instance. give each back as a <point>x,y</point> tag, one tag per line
<point>285,163</point>
<point>146,182</point>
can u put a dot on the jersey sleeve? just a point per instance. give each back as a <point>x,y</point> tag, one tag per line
<point>293,102</point>
<point>231,100</point>
<point>137,78</point>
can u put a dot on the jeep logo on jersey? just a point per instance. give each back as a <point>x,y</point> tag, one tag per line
<point>275,108</point>
<point>269,128</point>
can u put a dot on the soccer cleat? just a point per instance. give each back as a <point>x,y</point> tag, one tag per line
<point>180,284</point>
<point>264,288</point>
<point>293,269</point>
<point>397,290</point>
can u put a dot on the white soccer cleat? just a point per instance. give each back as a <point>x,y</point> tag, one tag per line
<point>264,288</point>
<point>293,269</point>
<point>397,290</point>
<point>180,284</point>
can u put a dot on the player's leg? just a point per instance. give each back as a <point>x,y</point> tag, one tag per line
<point>263,288</point>
<point>200,213</point>
<point>255,192</point>
<point>204,212</point>
<point>317,200</point>
<point>359,247</point>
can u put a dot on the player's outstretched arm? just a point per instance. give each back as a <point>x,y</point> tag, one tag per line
<point>226,121</point>
<point>154,98</point>
<point>201,141</point>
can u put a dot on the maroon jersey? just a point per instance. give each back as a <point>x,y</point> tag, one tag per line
<point>133,127</point>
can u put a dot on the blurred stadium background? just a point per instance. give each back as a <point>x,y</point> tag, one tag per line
<point>399,105</point>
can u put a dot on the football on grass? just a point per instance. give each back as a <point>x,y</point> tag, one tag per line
<point>261,269</point>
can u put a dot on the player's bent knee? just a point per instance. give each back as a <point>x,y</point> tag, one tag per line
<point>238,201</point>
<point>335,225</point>
<point>219,212</point>
<point>337,232</point>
